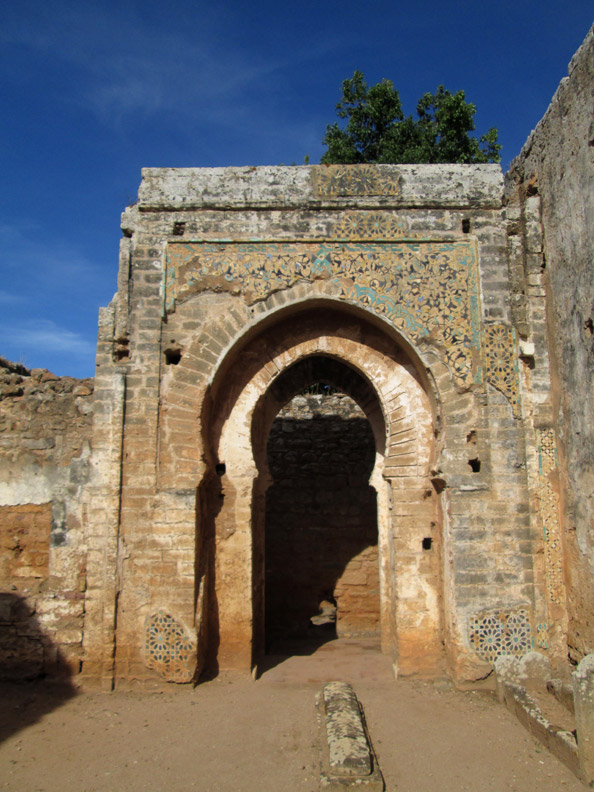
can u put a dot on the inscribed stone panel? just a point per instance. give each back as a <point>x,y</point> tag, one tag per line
<point>333,180</point>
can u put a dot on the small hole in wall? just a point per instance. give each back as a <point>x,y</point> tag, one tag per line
<point>178,229</point>
<point>466,225</point>
<point>589,325</point>
<point>427,542</point>
<point>475,465</point>
<point>220,469</point>
<point>172,356</point>
<point>528,360</point>
<point>121,351</point>
<point>439,484</point>
<point>471,437</point>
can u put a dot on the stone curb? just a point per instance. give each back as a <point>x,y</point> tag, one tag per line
<point>347,757</point>
<point>559,742</point>
<point>513,679</point>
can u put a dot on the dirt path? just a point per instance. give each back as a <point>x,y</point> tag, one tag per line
<point>237,734</point>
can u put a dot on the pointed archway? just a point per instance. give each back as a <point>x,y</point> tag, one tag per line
<point>254,381</point>
<point>321,568</point>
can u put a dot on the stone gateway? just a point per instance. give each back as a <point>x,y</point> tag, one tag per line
<point>326,397</point>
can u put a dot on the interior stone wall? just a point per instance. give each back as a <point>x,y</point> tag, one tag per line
<point>552,185</point>
<point>321,519</point>
<point>45,429</point>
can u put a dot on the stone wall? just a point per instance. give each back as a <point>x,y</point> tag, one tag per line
<point>394,282</point>
<point>45,429</point>
<point>552,184</point>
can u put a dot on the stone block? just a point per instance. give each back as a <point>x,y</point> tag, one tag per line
<point>348,761</point>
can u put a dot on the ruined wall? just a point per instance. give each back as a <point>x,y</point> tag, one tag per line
<point>45,429</point>
<point>552,185</point>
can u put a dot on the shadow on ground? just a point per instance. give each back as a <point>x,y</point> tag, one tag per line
<point>284,648</point>
<point>34,675</point>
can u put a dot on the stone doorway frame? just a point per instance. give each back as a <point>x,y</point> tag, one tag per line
<point>409,508</point>
<point>283,388</point>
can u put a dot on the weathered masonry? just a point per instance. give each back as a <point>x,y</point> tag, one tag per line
<point>238,290</point>
<point>324,388</point>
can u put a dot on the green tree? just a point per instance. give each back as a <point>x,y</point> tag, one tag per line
<point>377,130</point>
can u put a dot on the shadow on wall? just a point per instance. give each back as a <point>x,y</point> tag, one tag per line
<point>209,503</point>
<point>34,676</point>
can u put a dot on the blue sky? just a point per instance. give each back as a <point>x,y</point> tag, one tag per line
<point>93,91</point>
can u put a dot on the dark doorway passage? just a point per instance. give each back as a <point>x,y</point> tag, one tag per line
<point>321,555</point>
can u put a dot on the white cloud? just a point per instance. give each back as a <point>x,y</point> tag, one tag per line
<point>43,335</point>
<point>6,298</point>
<point>44,261</point>
<point>122,66</point>
<point>131,65</point>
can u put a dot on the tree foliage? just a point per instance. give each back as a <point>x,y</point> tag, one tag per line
<point>377,130</point>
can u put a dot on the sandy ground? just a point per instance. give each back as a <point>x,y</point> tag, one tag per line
<point>238,734</point>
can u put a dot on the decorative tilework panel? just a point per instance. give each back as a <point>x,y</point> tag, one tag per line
<point>501,632</point>
<point>549,512</point>
<point>547,451</point>
<point>542,635</point>
<point>169,651</point>
<point>335,180</point>
<point>502,370</point>
<point>426,289</point>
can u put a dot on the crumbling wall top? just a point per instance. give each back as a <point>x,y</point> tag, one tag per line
<point>165,189</point>
<point>579,72</point>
